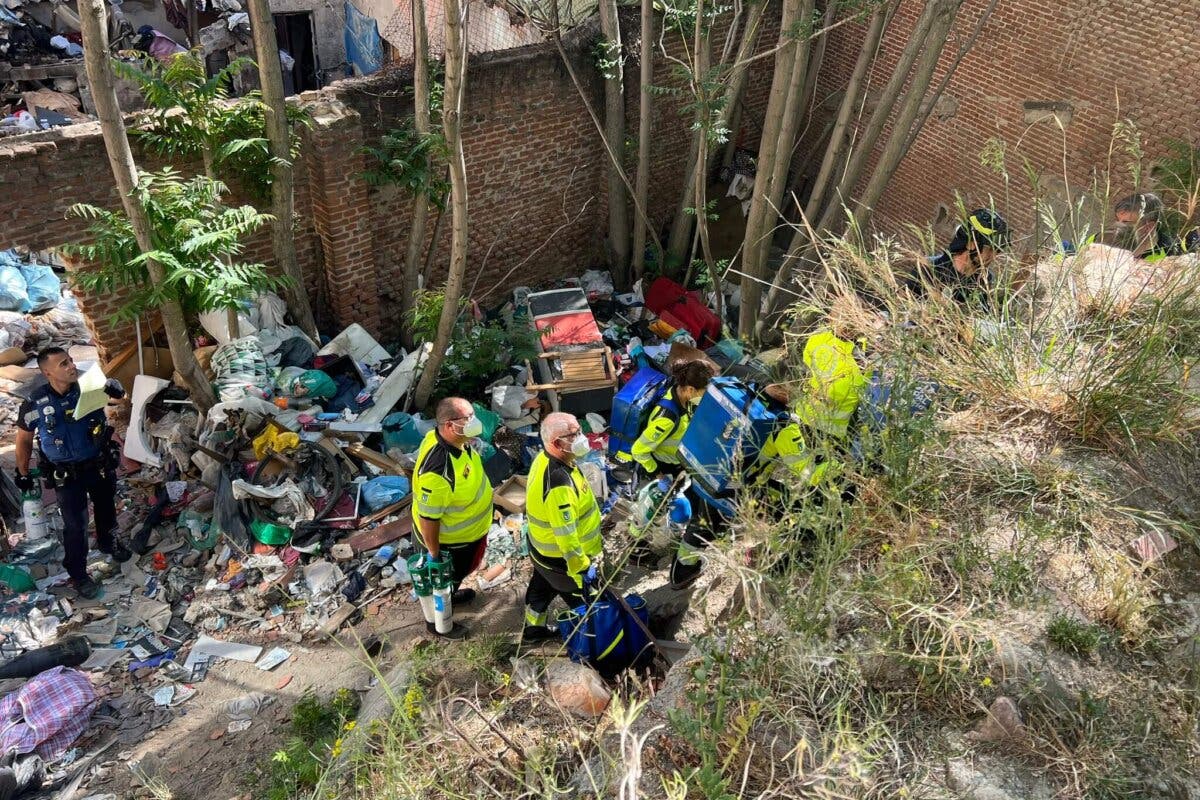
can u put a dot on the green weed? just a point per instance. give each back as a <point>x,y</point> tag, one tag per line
<point>1072,636</point>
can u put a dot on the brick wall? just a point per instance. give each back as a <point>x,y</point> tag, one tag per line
<point>535,169</point>
<point>1087,53</point>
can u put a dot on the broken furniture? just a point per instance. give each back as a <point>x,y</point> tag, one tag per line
<point>574,367</point>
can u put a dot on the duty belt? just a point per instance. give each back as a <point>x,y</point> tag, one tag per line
<point>65,473</point>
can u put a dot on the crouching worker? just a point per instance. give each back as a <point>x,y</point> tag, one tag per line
<point>965,270</point>
<point>564,525</point>
<point>452,498</point>
<point>74,458</point>
<point>656,449</point>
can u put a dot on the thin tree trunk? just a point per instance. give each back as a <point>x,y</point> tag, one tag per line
<point>270,76</point>
<point>944,12</point>
<point>93,15</point>
<point>642,189</point>
<point>775,125</point>
<point>681,223</point>
<point>614,133</point>
<point>439,222</point>
<point>456,78</point>
<point>423,127</point>
<point>702,50</point>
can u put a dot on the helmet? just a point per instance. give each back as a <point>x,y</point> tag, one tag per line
<point>986,227</point>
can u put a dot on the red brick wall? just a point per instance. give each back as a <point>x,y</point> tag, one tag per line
<point>535,170</point>
<point>1083,53</point>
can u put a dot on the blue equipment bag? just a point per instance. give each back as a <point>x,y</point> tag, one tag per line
<point>728,428</point>
<point>601,634</point>
<point>632,406</point>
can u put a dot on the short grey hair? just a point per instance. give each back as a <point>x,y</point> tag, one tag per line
<point>451,408</point>
<point>556,425</point>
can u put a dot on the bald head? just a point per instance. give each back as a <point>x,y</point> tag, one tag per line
<point>558,429</point>
<point>451,414</point>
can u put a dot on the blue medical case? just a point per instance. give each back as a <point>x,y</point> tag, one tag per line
<point>632,406</point>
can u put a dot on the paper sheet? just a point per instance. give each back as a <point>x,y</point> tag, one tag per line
<point>207,647</point>
<point>91,391</point>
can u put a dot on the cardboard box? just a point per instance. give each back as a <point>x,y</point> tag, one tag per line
<point>510,495</point>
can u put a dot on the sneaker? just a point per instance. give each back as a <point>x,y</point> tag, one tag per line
<point>119,552</point>
<point>456,631</point>
<point>538,633</point>
<point>684,575</point>
<point>463,597</point>
<point>87,588</point>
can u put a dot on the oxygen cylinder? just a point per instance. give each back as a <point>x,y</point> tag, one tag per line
<point>443,607</point>
<point>648,500</point>
<point>418,569</point>
<point>31,508</point>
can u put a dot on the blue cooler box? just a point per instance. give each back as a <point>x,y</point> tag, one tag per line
<point>633,404</point>
<point>728,428</point>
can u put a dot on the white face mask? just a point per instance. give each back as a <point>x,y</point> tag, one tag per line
<point>580,446</point>
<point>471,427</point>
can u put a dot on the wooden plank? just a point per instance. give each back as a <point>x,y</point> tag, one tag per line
<point>359,450</point>
<point>399,505</point>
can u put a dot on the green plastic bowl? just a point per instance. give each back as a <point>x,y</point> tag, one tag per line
<point>270,533</point>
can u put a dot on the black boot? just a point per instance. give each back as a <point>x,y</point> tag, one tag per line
<point>537,633</point>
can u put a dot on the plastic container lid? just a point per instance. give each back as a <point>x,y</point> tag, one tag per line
<point>270,533</point>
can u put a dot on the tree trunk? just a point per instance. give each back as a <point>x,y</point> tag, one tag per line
<point>421,122</point>
<point>772,159</point>
<point>681,223</point>
<point>642,189</point>
<point>270,75</point>
<point>614,133</point>
<point>701,48</point>
<point>944,12</point>
<point>456,78</point>
<point>93,15</point>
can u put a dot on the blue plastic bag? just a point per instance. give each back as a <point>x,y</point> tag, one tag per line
<point>401,432</point>
<point>381,492</point>
<point>42,286</point>
<point>602,634</point>
<point>14,295</point>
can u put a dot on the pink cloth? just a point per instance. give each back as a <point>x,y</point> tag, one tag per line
<point>163,48</point>
<point>47,714</point>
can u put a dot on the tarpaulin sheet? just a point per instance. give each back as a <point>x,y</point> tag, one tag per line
<point>364,48</point>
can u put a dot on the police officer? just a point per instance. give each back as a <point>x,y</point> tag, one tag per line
<point>564,524</point>
<point>656,449</point>
<point>964,268</point>
<point>74,458</point>
<point>452,498</point>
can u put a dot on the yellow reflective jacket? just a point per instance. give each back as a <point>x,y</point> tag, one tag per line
<point>563,516</point>
<point>786,449</point>
<point>450,486</point>
<point>659,441</point>
<point>835,384</point>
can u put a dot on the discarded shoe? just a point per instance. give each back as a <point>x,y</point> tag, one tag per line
<point>538,633</point>
<point>463,597</point>
<point>87,588</point>
<point>684,575</point>
<point>119,552</point>
<point>456,631</point>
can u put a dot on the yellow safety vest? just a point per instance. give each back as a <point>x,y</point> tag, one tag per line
<point>835,384</point>
<point>563,517</point>
<point>450,486</point>
<point>659,441</point>
<point>786,448</point>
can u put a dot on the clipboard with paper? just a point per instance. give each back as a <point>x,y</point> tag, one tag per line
<point>92,396</point>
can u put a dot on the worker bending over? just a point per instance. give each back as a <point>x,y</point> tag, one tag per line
<point>1142,229</point>
<point>74,458</point>
<point>964,268</point>
<point>452,498</point>
<point>564,524</point>
<point>656,449</point>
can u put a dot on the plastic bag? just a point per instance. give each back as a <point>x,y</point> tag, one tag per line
<point>385,490</point>
<point>400,432</point>
<point>42,286</point>
<point>14,295</point>
<point>508,401</point>
<point>315,384</point>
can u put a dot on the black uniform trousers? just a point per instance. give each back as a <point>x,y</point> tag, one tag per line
<point>81,482</point>
<point>549,580</point>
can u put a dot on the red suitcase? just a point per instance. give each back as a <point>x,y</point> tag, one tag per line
<point>670,300</point>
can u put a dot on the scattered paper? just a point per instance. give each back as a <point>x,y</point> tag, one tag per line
<point>207,648</point>
<point>101,631</point>
<point>102,658</point>
<point>183,694</point>
<point>52,580</point>
<point>273,659</point>
<point>238,725</point>
<point>175,490</point>
<point>91,392</point>
<point>164,695</point>
<point>156,615</point>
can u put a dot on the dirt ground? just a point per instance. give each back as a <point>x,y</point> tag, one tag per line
<point>198,759</point>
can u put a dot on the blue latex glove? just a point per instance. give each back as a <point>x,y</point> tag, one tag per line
<point>590,577</point>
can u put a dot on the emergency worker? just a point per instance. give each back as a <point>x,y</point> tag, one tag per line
<point>452,498</point>
<point>656,449</point>
<point>564,524</point>
<point>75,458</point>
<point>1142,229</point>
<point>964,268</point>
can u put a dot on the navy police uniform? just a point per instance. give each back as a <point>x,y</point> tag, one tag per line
<point>74,459</point>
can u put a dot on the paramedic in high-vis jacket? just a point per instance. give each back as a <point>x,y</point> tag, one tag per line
<point>564,524</point>
<point>74,459</point>
<point>656,450</point>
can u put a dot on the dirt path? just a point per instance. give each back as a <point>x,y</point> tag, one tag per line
<point>198,759</point>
